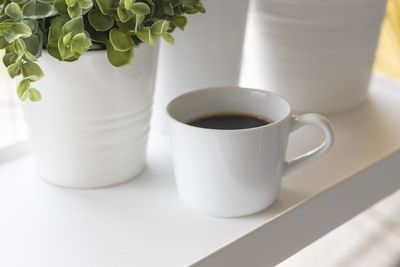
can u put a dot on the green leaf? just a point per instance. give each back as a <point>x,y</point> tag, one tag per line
<point>74,57</point>
<point>74,11</point>
<point>34,45</point>
<point>19,47</point>
<point>67,39</point>
<point>71,3</point>
<point>75,26</point>
<point>160,27</point>
<point>22,89</point>
<point>80,43</point>
<point>37,10</point>
<point>169,38</point>
<point>61,7</point>
<point>99,21</point>
<point>126,26</point>
<point>31,71</point>
<point>14,11</point>
<point>14,30</point>
<point>54,52</point>
<point>117,58</point>
<point>168,9</point>
<point>34,95</point>
<point>14,69</point>
<point>9,49</point>
<point>85,11</point>
<point>9,58</point>
<point>123,14</point>
<point>190,10</point>
<point>85,4</point>
<point>105,6</point>
<point>55,32</point>
<point>128,3</point>
<point>138,21</point>
<point>99,37</point>
<point>140,8</point>
<point>28,56</point>
<point>3,42</point>
<point>199,7</point>
<point>179,21</point>
<point>20,2</point>
<point>65,52</point>
<point>146,35</point>
<point>121,41</point>
<point>32,23</point>
<point>46,1</point>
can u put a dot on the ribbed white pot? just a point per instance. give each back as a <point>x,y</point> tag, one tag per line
<point>317,54</point>
<point>91,127</point>
<point>208,53</point>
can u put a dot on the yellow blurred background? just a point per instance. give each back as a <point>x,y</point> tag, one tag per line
<point>387,61</point>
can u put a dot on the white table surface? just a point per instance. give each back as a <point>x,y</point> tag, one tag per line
<point>142,222</point>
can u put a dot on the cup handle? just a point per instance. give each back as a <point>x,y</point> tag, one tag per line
<point>321,150</point>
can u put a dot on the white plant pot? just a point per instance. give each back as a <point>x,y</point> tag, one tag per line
<point>317,54</point>
<point>91,127</point>
<point>208,53</point>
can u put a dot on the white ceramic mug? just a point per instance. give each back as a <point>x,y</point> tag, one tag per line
<point>232,173</point>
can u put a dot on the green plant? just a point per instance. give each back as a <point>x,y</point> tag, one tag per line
<point>69,28</point>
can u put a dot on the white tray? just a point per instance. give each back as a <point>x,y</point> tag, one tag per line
<point>142,223</point>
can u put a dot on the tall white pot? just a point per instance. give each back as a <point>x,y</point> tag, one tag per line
<point>208,53</point>
<point>317,54</point>
<point>91,127</point>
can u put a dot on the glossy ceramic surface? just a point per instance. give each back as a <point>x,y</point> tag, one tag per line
<point>229,173</point>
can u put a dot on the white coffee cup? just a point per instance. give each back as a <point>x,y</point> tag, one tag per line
<point>232,173</point>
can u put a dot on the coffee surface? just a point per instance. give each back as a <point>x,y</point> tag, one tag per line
<point>229,121</point>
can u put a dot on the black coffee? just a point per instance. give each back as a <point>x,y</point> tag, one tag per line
<point>229,121</point>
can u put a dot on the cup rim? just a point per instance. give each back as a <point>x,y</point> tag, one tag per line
<point>269,125</point>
